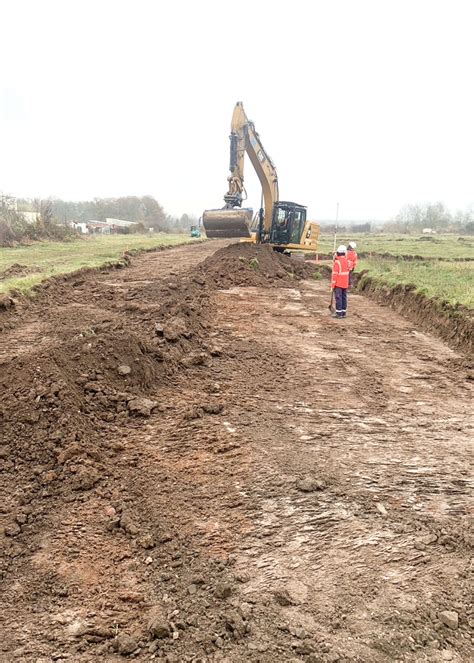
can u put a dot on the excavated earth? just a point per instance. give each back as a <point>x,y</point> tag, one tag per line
<point>199,464</point>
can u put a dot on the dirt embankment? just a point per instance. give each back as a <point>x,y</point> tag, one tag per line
<point>454,324</point>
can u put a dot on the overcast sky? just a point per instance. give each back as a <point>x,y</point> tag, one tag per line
<point>369,103</point>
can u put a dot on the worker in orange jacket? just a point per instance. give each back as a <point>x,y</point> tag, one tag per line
<point>340,281</point>
<point>352,258</point>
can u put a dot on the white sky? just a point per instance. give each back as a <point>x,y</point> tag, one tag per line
<point>365,102</point>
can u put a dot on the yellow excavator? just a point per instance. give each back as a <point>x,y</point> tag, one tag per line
<point>280,223</point>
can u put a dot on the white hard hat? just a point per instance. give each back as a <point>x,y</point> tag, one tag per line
<point>341,249</point>
<point>352,245</point>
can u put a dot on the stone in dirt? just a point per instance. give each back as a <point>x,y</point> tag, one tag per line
<point>125,644</point>
<point>142,406</point>
<point>449,618</point>
<point>223,590</point>
<point>157,626</point>
<point>213,408</point>
<point>284,598</point>
<point>123,369</point>
<point>427,539</point>
<point>309,485</point>
<point>381,509</point>
<point>128,523</point>
<point>235,624</point>
<point>68,453</point>
<point>194,359</point>
<point>85,478</point>
<point>5,302</point>
<point>12,530</point>
<point>174,328</point>
<point>146,541</point>
<point>242,576</point>
<point>4,451</point>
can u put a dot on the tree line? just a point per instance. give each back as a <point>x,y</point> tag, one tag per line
<point>144,210</point>
<point>416,217</point>
<point>53,216</point>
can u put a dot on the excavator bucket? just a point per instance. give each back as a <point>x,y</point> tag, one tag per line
<point>224,223</point>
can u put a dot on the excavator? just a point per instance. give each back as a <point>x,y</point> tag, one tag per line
<point>280,223</point>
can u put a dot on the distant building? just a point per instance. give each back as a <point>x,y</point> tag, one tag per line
<point>107,227</point>
<point>9,202</point>
<point>30,217</point>
<point>79,227</point>
<point>98,228</point>
<point>120,223</point>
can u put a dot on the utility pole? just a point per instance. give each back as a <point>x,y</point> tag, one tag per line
<point>335,228</point>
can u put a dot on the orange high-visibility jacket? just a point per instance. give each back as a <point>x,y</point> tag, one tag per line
<point>340,272</point>
<point>352,258</point>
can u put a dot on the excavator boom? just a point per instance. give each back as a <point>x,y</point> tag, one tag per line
<point>231,221</point>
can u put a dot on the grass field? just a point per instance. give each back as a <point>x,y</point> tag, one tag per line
<point>431,246</point>
<point>449,281</point>
<point>54,258</point>
<point>442,279</point>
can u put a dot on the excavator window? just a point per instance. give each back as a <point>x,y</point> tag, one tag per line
<point>283,217</point>
<point>297,225</point>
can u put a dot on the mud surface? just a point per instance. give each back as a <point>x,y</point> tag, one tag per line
<point>199,464</point>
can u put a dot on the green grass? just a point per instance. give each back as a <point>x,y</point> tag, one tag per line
<point>55,258</point>
<point>449,281</point>
<point>438,246</point>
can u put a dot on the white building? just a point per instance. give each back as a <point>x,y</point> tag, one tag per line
<point>30,217</point>
<point>120,223</point>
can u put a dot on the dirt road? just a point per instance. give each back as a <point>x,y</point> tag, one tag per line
<point>294,488</point>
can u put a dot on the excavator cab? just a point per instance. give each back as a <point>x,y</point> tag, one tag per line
<point>288,222</point>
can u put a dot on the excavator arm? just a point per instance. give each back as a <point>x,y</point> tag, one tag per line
<point>245,139</point>
<point>232,222</point>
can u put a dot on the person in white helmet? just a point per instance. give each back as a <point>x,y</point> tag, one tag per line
<point>352,259</point>
<point>340,281</point>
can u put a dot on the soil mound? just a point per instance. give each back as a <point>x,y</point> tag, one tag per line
<point>17,270</point>
<point>251,265</point>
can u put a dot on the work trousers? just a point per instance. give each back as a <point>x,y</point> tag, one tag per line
<point>341,302</point>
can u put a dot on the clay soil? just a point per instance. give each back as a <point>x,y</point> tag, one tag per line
<point>199,464</point>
